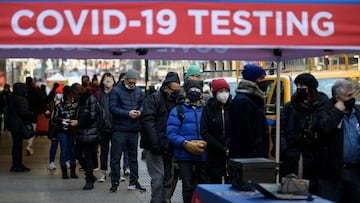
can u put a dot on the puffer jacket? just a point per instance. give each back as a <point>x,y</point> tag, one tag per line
<point>121,101</point>
<point>154,117</point>
<point>86,115</point>
<point>18,109</point>
<point>188,130</point>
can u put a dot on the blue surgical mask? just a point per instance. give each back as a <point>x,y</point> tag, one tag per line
<point>58,96</point>
<point>130,88</point>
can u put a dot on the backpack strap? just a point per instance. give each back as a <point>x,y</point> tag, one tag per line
<point>180,112</point>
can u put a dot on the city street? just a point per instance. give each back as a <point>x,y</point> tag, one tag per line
<point>41,185</point>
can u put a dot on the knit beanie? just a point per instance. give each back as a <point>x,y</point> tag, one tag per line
<point>307,79</point>
<point>59,89</point>
<point>252,72</point>
<point>172,77</point>
<point>194,83</point>
<point>131,74</point>
<point>192,70</point>
<point>219,84</point>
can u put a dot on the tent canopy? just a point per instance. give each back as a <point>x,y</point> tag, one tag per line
<point>203,29</point>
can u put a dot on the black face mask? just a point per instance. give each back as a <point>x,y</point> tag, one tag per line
<point>301,94</point>
<point>174,96</point>
<point>194,96</point>
<point>349,104</point>
<point>263,85</point>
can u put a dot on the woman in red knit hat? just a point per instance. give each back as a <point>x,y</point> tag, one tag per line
<point>215,130</point>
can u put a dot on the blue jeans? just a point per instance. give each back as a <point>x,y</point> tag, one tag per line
<point>191,173</point>
<point>67,148</point>
<point>120,140</point>
<point>53,148</point>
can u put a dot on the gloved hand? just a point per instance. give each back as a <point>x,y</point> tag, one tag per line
<point>156,149</point>
<point>195,147</point>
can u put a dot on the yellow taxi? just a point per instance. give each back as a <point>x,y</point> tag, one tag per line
<point>325,79</point>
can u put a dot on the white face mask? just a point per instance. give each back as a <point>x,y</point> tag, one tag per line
<point>222,97</point>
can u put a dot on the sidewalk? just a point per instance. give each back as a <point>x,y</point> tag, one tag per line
<point>41,185</point>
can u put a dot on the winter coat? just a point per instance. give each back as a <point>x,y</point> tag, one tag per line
<point>105,117</point>
<point>36,101</point>
<point>64,110</point>
<point>298,136</point>
<point>215,127</point>
<point>18,109</point>
<point>154,118</point>
<point>122,101</point>
<point>248,126</point>
<point>189,129</point>
<point>331,139</point>
<point>86,114</point>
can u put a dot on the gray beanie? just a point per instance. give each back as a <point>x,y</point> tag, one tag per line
<point>131,74</point>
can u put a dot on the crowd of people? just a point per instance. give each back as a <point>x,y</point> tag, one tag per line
<point>191,133</point>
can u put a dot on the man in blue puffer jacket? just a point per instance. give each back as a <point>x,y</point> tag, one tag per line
<point>125,105</point>
<point>188,144</point>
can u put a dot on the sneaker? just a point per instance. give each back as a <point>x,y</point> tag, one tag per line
<point>122,178</point>
<point>127,172</point>
<point>67,164</point>
<point>102,177</point>
<point>29,150</point>
<point>114,187</point>
<point>136,186</point>
<point>52,166</point>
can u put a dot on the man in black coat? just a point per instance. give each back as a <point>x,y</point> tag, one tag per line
<point>249,135</point>
<point>338,127</point>
<point>158,153</point>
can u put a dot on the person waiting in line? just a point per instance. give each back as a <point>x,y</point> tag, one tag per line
<point>189,146</point>
<point>49,113</point>
<point>63,113</point>
<point>193,73</point>
<point>85,129</point>
<point>157,148</point>
<point>107,82</point>
<point>125,167</point>
<point>249,136</point>
<point>18,109</point>
<point>37,105</point>
<point>299,145</point>
<point>338,130</point>
<point>215,131</point>
<point>125,101</point>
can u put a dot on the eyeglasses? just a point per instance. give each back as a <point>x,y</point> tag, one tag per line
<point>131,82</point>
<point>173,90</point>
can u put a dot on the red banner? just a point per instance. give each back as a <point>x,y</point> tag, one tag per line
<point>177,24</point>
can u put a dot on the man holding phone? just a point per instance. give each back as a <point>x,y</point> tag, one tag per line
<point>125,102</point>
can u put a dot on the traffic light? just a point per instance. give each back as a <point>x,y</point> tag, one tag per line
<point>326,62</point>
<point>326,59</point>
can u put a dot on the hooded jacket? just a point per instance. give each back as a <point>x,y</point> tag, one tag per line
<point>18,108</point>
